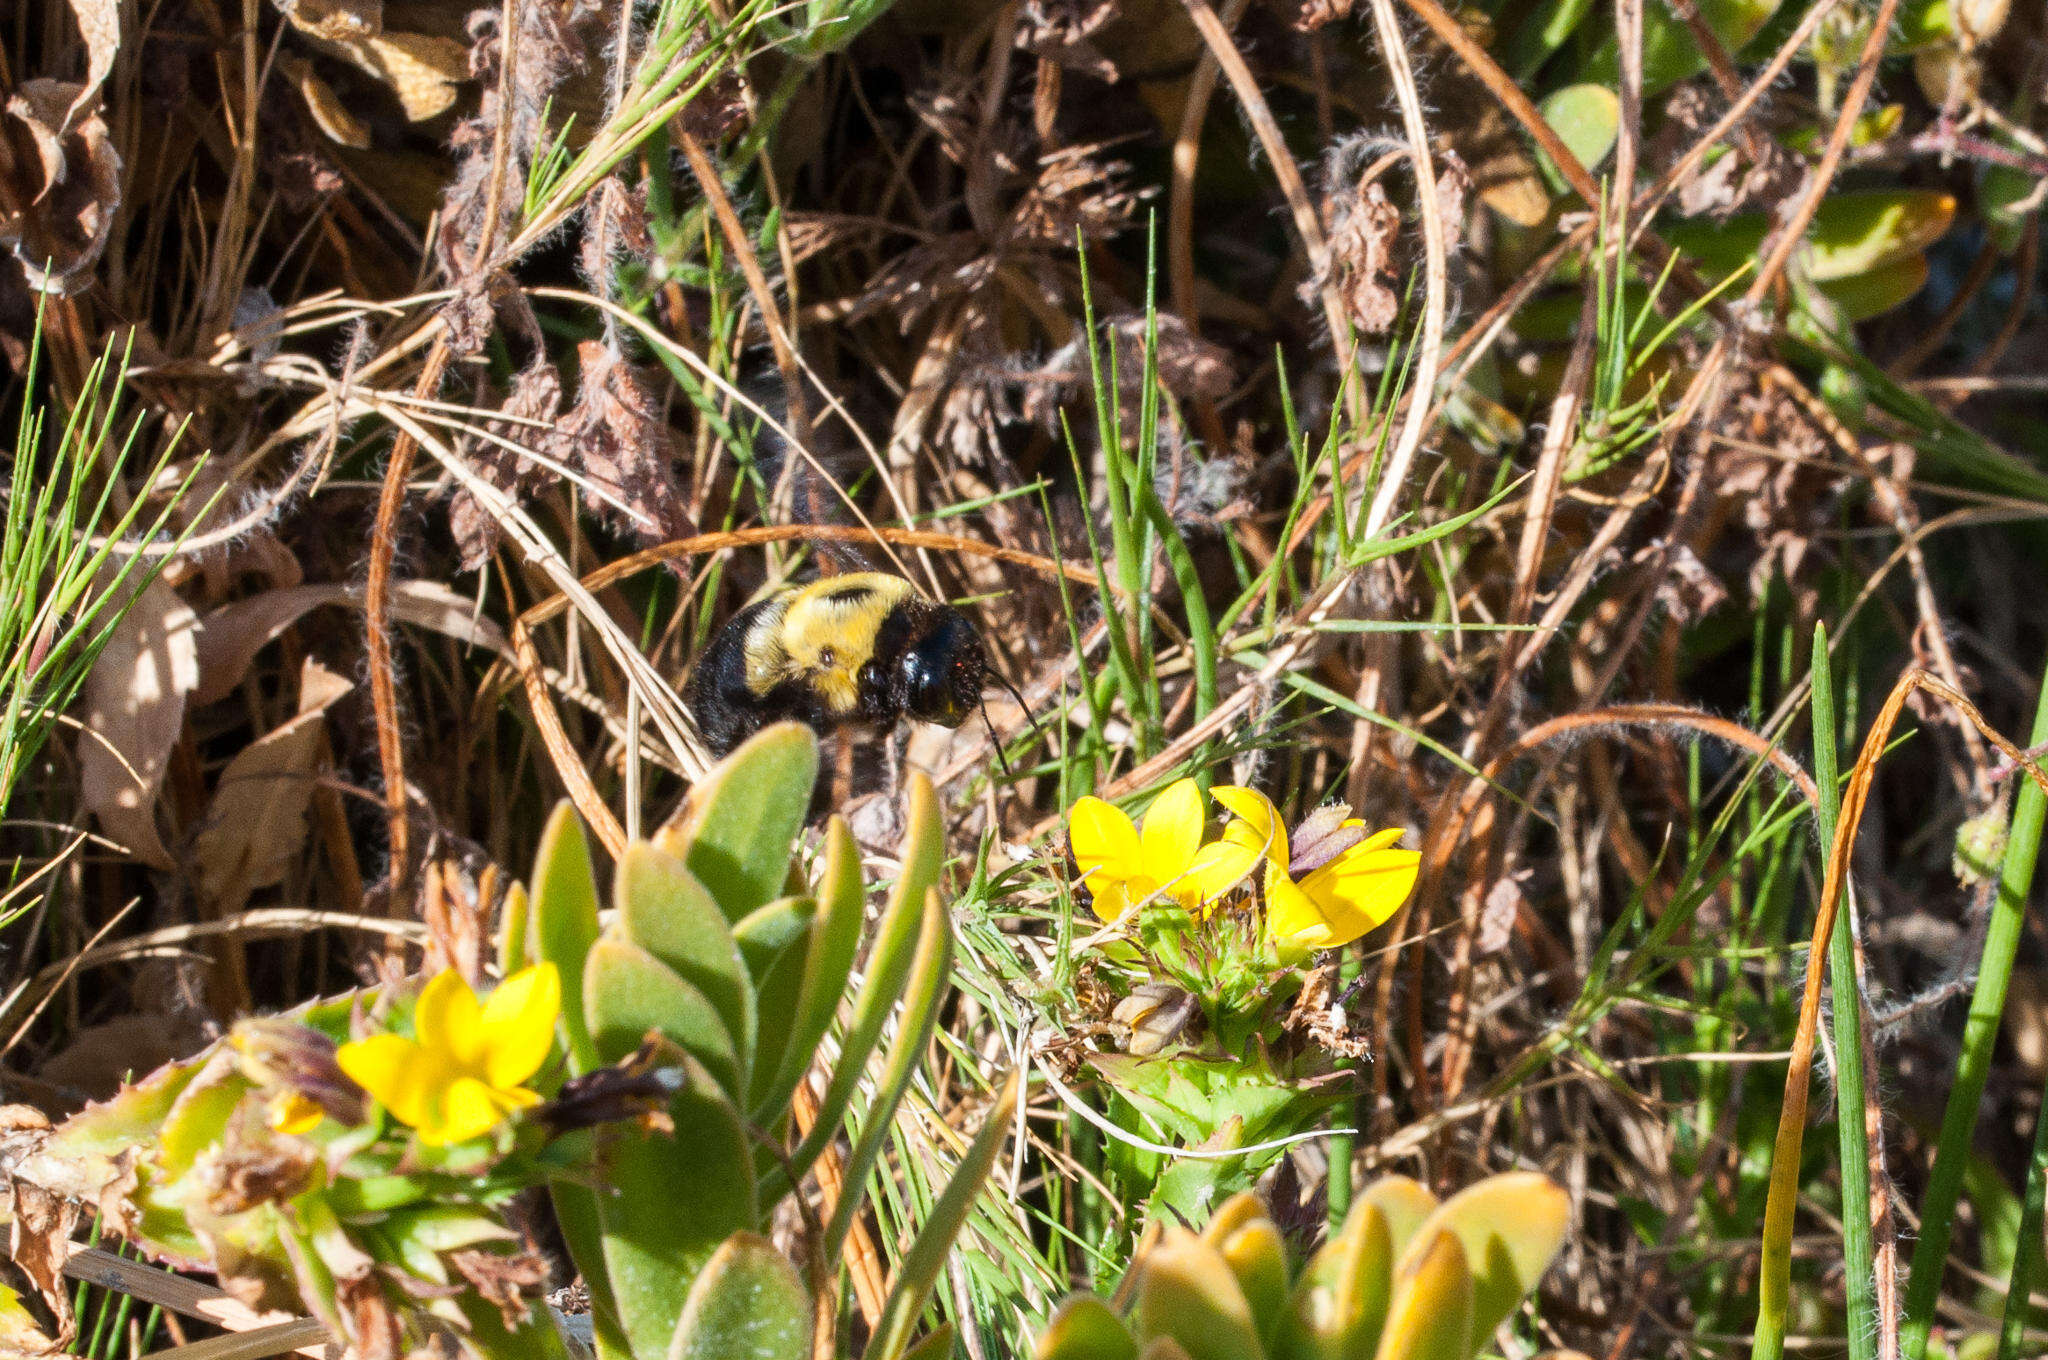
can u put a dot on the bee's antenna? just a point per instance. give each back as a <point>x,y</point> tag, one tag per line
<point>1004,681</point>
<point>997,742</point>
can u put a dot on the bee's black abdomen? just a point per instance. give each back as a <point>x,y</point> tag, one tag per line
<point>726,710</point>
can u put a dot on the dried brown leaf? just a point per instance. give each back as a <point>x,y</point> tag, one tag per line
<point>1062,31</point>
<point>100,1057</point>
<point>425,72</point>
<point>38,1241</point>
<point>616,435</point>
<point>1361,260</point>
<point>323,105</point>
<point>99,23</point>
<point>134,710</point>
<point>503,1280</point>
<point>1504,901</point>
<point>256,827</point>
<point>236,632</point>
<point>251,1165</point>
<point>335,20</point>
<point>536,396</point>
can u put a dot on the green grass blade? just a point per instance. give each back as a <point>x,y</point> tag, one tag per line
<point>1853,1137</point>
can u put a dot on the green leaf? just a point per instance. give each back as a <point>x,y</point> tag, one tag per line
<point>1670,51</point>
<point>1187,1291</point>
<point>775,943</point>
<point>738,828</point>
<point>1511,1228</point>
<point>1243,1234</point>
<point>828,962</point>
<point>632,992</point>
<point>538,1338</point>
<point>1406,1203</point>
<point>666,911</point>
<point>1586,119</point>
<point>515,934</point>
<point>764,935</point>
<point>1085,1328</point>
<point>748,1302</point>
<point>936,1346</point>
<point>565,922</point>
<point>920,1266</point>
<point>1862,296</point>
<point>1851,234</point>
<point>931,971</point>
<point>1340,1306</point>
<point>667,1202</point>
<point>1431,1317</point>
<point>899,941</point>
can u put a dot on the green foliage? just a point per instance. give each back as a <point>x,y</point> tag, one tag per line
<point>662,1145</point>
<point>1405,1278</point>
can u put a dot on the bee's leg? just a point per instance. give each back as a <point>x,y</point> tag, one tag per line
<point>893,745</point>
<point>842,768</point>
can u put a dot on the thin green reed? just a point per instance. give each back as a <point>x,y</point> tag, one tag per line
<point>1853,1139</point>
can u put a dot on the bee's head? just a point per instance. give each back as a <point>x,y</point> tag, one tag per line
<point>941,674</point>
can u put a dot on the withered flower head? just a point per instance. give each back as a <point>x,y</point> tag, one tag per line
<point>295,1063</point>
<point>639,1087</point>
<point>1156,1013</point>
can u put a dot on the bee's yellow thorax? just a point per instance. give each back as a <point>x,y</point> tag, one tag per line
<point>821,634</point>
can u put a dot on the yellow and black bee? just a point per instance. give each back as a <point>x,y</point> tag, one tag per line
<point>861,649</point>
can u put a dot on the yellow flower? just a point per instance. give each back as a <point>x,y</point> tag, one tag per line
<point>1349,881</point>
<point>1123,865</point>
<point>295,1112</point>
<point>468,1068</point>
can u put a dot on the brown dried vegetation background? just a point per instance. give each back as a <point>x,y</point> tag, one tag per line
<point>440,325</point>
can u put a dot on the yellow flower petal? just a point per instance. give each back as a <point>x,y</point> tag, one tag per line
<point>1380,840</point>
<point>1102,838</point>
<point>1360,889</point>
<point>1218,867</point>
<point>448,1020</point>
<point>519,1024</point>
<point>1292,919</point>
<point>1257,825</point>
<point>399,1074</point>
<point>1109,900</point>
<point>468,1108</point>
<point>1172,832</point>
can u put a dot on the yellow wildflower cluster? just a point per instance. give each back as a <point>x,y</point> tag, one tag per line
<point>1334,882</point>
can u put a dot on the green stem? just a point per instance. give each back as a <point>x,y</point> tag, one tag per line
<point>1853,1138</point>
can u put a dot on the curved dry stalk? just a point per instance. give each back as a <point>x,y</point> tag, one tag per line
<point>1306,223</point>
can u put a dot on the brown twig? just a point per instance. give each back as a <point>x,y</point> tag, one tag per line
<point>377,635</point>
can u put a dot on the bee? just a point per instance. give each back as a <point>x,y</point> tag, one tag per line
<point>863,649</point>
